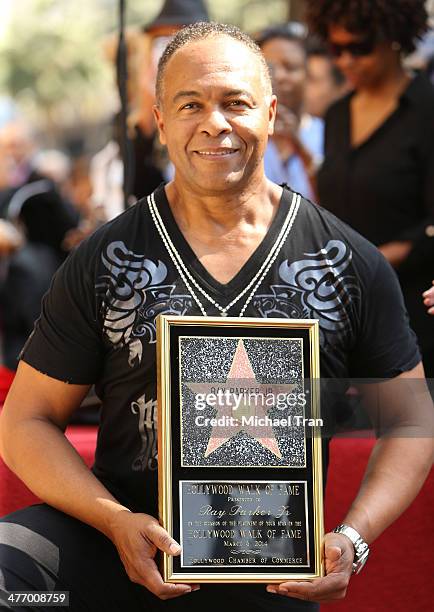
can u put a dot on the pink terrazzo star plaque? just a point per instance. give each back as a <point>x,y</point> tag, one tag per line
<point>234,418</point>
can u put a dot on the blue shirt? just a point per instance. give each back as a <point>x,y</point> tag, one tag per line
<point>292,171</point>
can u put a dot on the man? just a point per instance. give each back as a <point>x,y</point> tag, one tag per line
<point>325,82</point>
<point>215,223</point>
<point>296,148</point>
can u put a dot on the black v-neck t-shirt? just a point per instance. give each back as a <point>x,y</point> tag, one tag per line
<point>98,319</point>
<point>223,293</point>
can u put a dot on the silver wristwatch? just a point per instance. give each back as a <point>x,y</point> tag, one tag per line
<point>361,548</point>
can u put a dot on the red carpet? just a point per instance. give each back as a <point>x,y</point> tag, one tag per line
<point>6,378</point>
<point>399,575</point>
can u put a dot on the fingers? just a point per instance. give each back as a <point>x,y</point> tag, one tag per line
<point>330,588</point>
<point>429,299</point>
<point>338,558</point>
<point>149,575</point>
<point>137,538</point>
<point>429,293</point>
<point>161,539</point>
<point>154,582</point>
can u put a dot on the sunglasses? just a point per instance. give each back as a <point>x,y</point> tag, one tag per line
<point>356,49</point>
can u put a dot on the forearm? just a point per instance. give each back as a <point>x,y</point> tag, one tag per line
<point>40,454</point>
<point>396,471</point>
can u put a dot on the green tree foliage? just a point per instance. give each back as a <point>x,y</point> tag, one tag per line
<point>51,59</point>
<point>51,53</point>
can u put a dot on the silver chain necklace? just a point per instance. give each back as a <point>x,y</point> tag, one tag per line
<point>256,281</point>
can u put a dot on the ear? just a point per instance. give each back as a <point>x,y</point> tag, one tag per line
<point>272,108</point>
<point>158,115</point>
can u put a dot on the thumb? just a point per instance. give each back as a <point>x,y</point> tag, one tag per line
<point>335,546</point>
<point>332,552</point>
<point>162,540</point>
<point>338,552</point>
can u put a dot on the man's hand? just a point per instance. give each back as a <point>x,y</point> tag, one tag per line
<point>137,538</point>
<point>338,559</point>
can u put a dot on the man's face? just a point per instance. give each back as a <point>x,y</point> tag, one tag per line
<point>287,60</point>
<point>215,115</point>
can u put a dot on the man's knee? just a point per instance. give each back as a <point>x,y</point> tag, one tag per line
<point>28,559</point>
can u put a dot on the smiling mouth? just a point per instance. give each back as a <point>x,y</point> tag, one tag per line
<point>216,153</point>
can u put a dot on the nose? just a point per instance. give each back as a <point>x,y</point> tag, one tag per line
<point>344,60</point>
<point>215,122</point>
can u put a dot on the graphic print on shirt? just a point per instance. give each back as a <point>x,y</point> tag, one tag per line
<point>134,292</point>
<point>315,287</point>
<point>146,458</point>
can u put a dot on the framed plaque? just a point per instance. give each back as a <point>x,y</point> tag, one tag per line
<point>239,448</point>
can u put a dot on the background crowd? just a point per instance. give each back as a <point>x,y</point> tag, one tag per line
<point>354,133</point>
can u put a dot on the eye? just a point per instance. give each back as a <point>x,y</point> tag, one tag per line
<point>190,106</point>
<point>238,104</point>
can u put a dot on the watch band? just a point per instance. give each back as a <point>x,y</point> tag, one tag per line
<point>361,548</point>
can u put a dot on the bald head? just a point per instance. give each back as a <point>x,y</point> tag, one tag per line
<point>207,30</point>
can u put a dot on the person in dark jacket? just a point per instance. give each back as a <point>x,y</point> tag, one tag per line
<point>378,171</point>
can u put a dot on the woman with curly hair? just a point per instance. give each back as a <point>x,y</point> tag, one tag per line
<point>378,172</point>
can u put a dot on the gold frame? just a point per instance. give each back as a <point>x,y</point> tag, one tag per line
<point>164,323</point>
